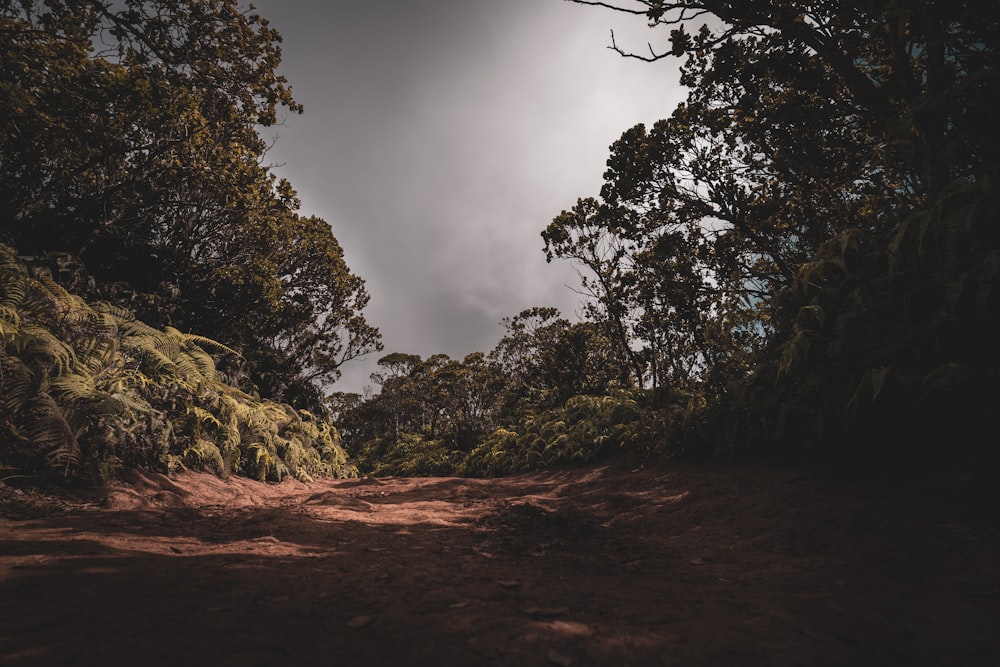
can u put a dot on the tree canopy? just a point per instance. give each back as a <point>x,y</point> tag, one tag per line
<point>132,148</point>
<point>832,168</point>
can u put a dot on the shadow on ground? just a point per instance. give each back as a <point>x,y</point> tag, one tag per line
<point>600,566</point>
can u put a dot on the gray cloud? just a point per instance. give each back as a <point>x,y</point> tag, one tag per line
<point>441,136</point>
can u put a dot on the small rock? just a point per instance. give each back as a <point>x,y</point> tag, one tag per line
<point>360,621</point>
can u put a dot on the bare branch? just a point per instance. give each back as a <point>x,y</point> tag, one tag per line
<point>625,10</point>
<point>651,58</point>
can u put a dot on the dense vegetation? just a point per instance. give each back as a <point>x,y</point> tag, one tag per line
<point>135,175</point>
<point>548,393</point>
<point>134,169</point>
<point>90,387</point>
<point>802,260</point>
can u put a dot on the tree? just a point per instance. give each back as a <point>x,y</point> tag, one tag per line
<point>546,360</point>
<point>908,73</point>
<point>649,284</point>
<point>431,414</point>
<point>317,326</point>
<point>708,214</point>
<point>837,163</point>
<point>131,140</point>
<point>118,111</point>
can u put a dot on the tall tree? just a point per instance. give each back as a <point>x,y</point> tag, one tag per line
<point>835,163</point>
<point>131,139</point>
<point>546,359</point>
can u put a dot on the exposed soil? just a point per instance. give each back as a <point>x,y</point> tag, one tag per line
<point>676,565</point>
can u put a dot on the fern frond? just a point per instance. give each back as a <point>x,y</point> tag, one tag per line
<point>56,307</point>
<point>10,320</point>
<point>131,403</point>
<point>117,313</point>
<point>44,423</point>
<point>18,384</point>
<point>13,278</point>
<point>195,363</point>
<point>203,416</point>
<point>262,458</point>
<point>147,350</point>
<point>204,451</point>
<point>76,387</point>
<point>201,341</point>
<point>37,343</point>
<point>101,325</point>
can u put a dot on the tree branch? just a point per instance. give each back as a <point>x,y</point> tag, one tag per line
<point>624,10</point>
<point>651,58</point>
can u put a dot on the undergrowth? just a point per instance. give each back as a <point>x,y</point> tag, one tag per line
<point>87,388</point>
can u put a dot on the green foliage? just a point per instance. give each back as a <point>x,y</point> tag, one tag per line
<point>545,360</point>
<point>86,388</point>
<point>889,348</point>
<point>134,160</point>
<point>410,455</point>
<point>584,429</point>
<point>808,244</point>
<point>546,395</point>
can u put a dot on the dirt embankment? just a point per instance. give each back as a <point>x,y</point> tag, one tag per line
<point>601,566</point>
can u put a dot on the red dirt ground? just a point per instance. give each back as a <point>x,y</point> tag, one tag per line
<point>676,565</point>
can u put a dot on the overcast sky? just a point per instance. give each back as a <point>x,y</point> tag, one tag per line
<point>441,136</point>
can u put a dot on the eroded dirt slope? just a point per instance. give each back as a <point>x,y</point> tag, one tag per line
<point>601,566</point>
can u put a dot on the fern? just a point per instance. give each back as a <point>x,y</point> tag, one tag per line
<point>18,384</point>
<point>45,424</point>
<point>93,385</point>
<point>37,345</point>
<point>10,320</point>
<point>13,280</point>
<point>204,452</point>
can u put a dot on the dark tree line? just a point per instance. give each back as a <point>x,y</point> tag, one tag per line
<point>809,240</point>
<point>442,409</point>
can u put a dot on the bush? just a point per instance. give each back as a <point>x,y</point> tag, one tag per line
<point>87,388</point>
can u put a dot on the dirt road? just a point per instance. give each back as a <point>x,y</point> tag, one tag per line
<point>600,566</point>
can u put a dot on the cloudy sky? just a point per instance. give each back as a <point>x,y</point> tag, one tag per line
<point>441,136</point>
